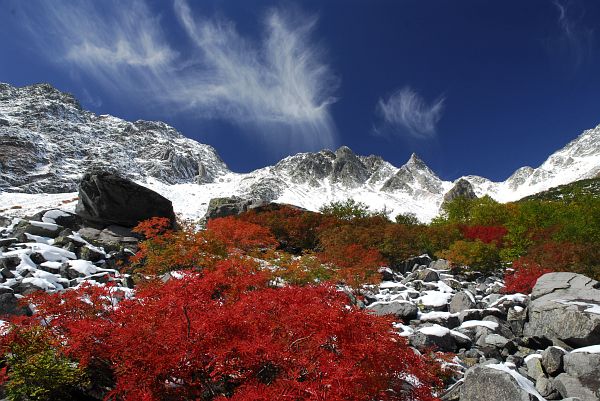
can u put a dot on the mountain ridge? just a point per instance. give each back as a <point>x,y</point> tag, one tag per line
<point>48,141</point>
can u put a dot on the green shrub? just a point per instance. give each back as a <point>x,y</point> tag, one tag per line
<point>36,369</point>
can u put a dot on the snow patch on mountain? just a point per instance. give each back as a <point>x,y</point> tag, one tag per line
<point>47,142</point>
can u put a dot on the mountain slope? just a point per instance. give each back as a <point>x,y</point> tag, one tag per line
<point>569,192</point>
<point>47,141</point>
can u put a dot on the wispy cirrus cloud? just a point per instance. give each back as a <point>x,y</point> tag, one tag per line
<point>406,113</point>
<point>575,39</point>
<point>277,85</point>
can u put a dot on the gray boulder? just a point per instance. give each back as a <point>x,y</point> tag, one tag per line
<point>105,199</point>
<point>112,238</point>
<point>408,264</point>
<point>583,371</point>
<point>569,386</point>
<point>559,309</point>
<point>552,360</point>
<point>402,309</point>
<point>428,275</point>
<point>487,383</point>
<point>232,206</point>
<point>9,305</point>
<point>460,302</point>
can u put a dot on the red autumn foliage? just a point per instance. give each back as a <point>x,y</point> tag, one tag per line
<point>223,334</point>
<point>165,249</point>
<point>523,276</point>
<point>357,264</point>
<point>486,234</point>
<point>153,227</point>
<point>295,229</point>
<point>240,234</point>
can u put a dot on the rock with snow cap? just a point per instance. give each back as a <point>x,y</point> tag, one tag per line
<point>461,301</point>
<point>404,310</point>
<point>496,382</point>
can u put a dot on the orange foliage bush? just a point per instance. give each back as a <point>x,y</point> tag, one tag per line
<point>356,264</point>
<point>242,235</point>
<point>166,249</point>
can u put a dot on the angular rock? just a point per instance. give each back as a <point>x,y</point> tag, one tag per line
<point>91,254</point>
<point>585,367</point>
<point>106,199</point>
<point>569,386</point>
<point>486,383</point>
<point>409,264</point>
<point>558,309</point>
<point>428,275</point>
<point>223,207</point>
<point>535,369</point>
<point>439,264</point>
<point>460,302</point>
<point>545,387</point>
<point>425,339</point>
<point>9,305</point>
<point>38,228</point>
<point>516,318</point>
<point>402,309</point>
<point>552,360</point>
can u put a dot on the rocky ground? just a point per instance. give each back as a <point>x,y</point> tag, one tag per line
<point>507,347</point>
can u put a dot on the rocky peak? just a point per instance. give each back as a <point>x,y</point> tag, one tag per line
<point>414,178</point>
<point>48,142</point>
<point>461,189</point>
<point>348,169</point>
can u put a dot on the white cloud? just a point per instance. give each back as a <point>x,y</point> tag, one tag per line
<point>575,39</point>
<point>277,85</point>
<point>405,112</point>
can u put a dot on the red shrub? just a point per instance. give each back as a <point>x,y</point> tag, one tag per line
<point>356,264</point>
<point>295,229</point>
<point>223,334</point>
<point>153,227</point>
<point>523,277</point>
<point>486,234</point>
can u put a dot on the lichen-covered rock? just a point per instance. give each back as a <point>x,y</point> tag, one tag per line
<point>552,360</point>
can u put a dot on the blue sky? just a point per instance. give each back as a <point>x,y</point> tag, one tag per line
<point>472,86</point>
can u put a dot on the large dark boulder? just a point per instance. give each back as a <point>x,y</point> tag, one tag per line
<point>106,199</point>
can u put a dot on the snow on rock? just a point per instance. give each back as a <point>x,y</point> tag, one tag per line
<point>588,307</point>
<point>83,266</point>
<point>592,349</point>
<point>435,298</point>
<point>521,380</point>
<point>51,215</point>
<point>483,323</point>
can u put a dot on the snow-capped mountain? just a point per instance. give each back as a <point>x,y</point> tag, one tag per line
<point>47,141</point>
